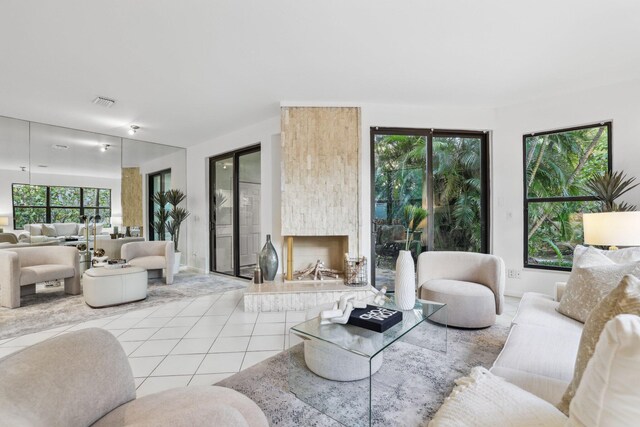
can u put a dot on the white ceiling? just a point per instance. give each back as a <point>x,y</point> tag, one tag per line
<point>187,71</point>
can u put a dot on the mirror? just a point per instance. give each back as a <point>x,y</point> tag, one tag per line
<point>50,176</point>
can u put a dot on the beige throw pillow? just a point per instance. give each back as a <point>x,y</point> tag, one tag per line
<point>624,299</point>
<point>49,230</point>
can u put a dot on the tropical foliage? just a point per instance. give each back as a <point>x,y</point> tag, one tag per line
<point>35,204</point>
<point>609,187</point>
<point>561,165</point>
<point>168,215</point>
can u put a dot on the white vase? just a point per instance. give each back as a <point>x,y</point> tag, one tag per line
<point>176,262</point>
<point>405,293</point>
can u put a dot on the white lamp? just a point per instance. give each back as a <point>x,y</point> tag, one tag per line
<point>116,221</point>
<point>612,229</point>
<point>4,221</point>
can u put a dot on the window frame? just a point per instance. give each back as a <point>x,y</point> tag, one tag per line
<point>48,207</point>
<point>526,199</point>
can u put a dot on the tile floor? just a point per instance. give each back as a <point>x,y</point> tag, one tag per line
<point>197,341</point>
<point>192,342</point>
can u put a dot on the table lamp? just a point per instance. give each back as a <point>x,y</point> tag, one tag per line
<point>4,221</point>
<point>116,223</point>
<point>612,229</point>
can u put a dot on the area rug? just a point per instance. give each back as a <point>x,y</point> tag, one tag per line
<point>407,390</point>
<point>51,307</point>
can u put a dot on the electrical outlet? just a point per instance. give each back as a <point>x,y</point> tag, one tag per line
<point>514,273</point>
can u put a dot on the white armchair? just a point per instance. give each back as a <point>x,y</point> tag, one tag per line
<point>151,256</point>
<point>471,284</point>
<point>22,268</point>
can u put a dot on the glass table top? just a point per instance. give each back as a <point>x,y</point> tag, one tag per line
<point>363,341</point>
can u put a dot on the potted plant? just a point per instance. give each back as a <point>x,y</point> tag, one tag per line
<point>609,187</point>
<point>405,286</point>
<point>175,217</point>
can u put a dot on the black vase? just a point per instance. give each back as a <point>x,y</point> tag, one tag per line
<point>268,261</point>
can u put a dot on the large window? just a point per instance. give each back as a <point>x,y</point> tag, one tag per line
<point>443,172</point>
<point>37,204</point>
<point>557,166</point>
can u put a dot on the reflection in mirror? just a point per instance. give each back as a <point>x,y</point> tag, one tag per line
<point>147,169</point>
<point>14,168</point>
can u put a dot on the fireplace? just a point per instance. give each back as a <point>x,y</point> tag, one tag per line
<point>305,251</point>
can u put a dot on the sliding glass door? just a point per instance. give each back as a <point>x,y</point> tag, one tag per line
<point>429,193</point>
<point>158,182</point>
<point>235,212</point>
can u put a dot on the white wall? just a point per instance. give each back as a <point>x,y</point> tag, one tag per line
<point>8,177</point>
<point>265,133</point>
<point>620,103</point>
<point>177,162</point>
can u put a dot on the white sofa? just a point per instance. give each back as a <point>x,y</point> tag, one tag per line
<point>33,233</point>
<point>540,353</point>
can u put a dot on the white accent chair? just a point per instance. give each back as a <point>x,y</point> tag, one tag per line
<point>471,284</point>
<point>83,378</point>
<point>151,256</point>
<point>22,268</point>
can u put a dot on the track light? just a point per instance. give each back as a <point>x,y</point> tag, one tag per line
<point>133,129</point>
<point>104,148</point>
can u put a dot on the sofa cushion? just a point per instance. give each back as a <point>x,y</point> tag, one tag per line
<point>549,389</point>
<point>149,262</point>
<point>43,273</point>
<point>539,309</point>
<point>192,406</point>
<point>482,399</point>
<point>33,229</point>
<point>624,299</point>
<point>541,351</point>
<point>49,230</point>
<point>82,229</point>
<point>608,393</point>
<point>619,256</point>
<point>66,229</point>
<point>587,286</point>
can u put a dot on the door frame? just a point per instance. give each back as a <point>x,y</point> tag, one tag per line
<point>429,134</point>
<point>236,154</point>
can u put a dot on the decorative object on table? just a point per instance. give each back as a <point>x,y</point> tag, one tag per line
<point>99,252</point>
<point>612,229</point>
<point>82,247</point>
<point>113,236</point>
<point>341,310</point>
<point>127,232</point>
<point>117,261</point>
<point>405,285</point>
<point>380,295</point>
<point>316,271</point>
<point>609,187</point>
<point>355,271</point>
<point>257,273</point>
<point>116,223</point>
<point>374,318</point>
<point>268,260</point>
<point>4,221</point>
<point>99,261</point>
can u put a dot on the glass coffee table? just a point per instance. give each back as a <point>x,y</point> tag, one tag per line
<point>334,369</point>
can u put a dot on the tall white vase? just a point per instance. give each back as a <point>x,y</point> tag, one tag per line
<point>405,293</point>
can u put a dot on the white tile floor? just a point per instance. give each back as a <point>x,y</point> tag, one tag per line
<point>192,342</point>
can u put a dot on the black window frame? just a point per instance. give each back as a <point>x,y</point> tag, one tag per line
<point>526,199</point>
<point>48,206</point>
<point>151,190</point>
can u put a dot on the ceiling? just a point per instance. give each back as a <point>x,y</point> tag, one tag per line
<point>187,71</point>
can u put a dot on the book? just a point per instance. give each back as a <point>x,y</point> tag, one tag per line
<point>374,318</point>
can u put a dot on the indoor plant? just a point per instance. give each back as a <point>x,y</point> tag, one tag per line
<point>609,187</point>
<point>176,216</point>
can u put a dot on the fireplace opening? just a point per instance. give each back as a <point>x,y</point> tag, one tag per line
<point>306,252</point>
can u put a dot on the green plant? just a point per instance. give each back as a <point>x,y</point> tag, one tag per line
<point>609,187</point>
<point>177,215</point>
<point>161,214</point>
<point>413,216</point>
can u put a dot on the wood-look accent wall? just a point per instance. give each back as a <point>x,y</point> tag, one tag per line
<point>131,197</point>
<point>320,162</point>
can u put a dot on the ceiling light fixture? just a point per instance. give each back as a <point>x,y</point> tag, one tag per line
<point>133,129</point>
<point>104,147</point>
<point>60,147</point>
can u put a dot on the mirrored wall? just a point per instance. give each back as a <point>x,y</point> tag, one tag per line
<point>54,180</point>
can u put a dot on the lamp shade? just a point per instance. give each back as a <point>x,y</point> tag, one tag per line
<point>4,220</point>
<point>116,221</point>
<point>612,228</point>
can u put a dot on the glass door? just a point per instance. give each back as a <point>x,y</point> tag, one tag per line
<point>429,193</point>
<point>158,182</point>
<point>235,212</point>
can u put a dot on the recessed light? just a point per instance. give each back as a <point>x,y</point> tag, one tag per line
<point>43,166</point>
<point>104,147</point>
<point>133,129</point>
<point>60,147</point>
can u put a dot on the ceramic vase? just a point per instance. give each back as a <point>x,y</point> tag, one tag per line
<point>268,261</point>
<point>405,292</point>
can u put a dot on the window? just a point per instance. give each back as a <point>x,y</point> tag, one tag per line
<point>37,204</point>
<point>557,166</point>
<point>158,182</point>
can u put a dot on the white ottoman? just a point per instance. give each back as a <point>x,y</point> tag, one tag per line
<point>103,287</point>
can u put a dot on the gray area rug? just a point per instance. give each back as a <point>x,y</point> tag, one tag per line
<point>407,390</point>
<point>51,307</point>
